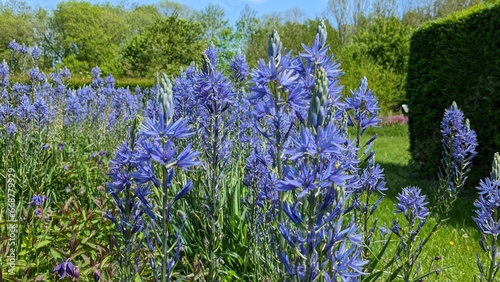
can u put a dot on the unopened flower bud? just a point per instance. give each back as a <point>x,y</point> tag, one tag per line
<point>321,33</point>
<point>274,48</point>
<point>495,171</point>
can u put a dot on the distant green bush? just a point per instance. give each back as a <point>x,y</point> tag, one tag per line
<point>119,82</point>
<point>386,84</point>
<point>455,59</point>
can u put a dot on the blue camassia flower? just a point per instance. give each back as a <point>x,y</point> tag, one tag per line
<point>25,109</point>
<point>459,140</point>
<point>365,106</point>
<point>66,269</point>
<point>213,88</point>
<point>38,200</point>
<point>11,129</point>
<point>239,68</point>
<point>412,204</point>
<point>4,74</point>
<point>158,129</point>
<point>489,201</point>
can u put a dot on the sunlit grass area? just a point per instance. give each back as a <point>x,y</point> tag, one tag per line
<point>456,242</point>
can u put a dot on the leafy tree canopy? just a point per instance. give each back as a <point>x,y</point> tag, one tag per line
<point>89,35</point>
<point>168,45</point>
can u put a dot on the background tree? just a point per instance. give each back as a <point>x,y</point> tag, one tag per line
<point>386,42</point>
<point>15,24</point>
<point>384,8</point>
<point>18,7</point>
<point>347,16</point>
<point>417,16</point>
<point>359,11</point>
<point>379,50</point>
<point>139,18</point>
<point>44,38</point>
<point>246,27</point>
<point>337,12</point>
<point>170,8</point>
<point>89,35</point>
<point>168,45</point>
<point>293,30</point>
<point>217,31</point>
<point>443,8</point>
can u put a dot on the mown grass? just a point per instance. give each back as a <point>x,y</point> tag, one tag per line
<point>456,242</point>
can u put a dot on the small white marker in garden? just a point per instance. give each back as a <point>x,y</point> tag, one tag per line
<point>405,108</point>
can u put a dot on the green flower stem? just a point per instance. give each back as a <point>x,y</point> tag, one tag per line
<point>492,271</point>
<point>164,226</point>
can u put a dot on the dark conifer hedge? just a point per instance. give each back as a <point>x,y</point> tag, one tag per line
<point>455,59</point>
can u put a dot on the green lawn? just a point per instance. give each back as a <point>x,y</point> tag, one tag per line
<point>456,242</point>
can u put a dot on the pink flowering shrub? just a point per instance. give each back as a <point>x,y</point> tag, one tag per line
<point>393,120</point>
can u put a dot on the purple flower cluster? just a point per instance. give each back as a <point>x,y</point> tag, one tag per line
<point>76,111</point>
<point>275,102</point>
<point>66,269</point>
<point>215,96</point>
<point>4,75</point>
<point>459,140</point>
<point>38,200</point>
<point>6,111</point>
<point>261,182</point>
<point>97,81</point>
<point>309,62</point>
<point>124,104</point>
<point>413,205</point>
<point>239,68</point>
<point>36,76</point>
<point>315,165</point>
<point>488,220</point>
<point>22,50</point>
<point>365,107</point>
<point>459,147</point>
<point>134,176</point>
<point>11,129</point>
<point>34,105</point>
<point>371,180</point>
<point>276,92</point>
<point>321,177</point>
<point>185,101</point>
<point>18,48</point>
<point>488,202</point>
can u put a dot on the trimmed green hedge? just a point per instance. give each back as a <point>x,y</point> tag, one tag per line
<point>455,59</point>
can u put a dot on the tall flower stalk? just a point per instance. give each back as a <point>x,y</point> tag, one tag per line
<point>322,240</point>
<point>216,99</point>
<point>277,99</point>
<point>459,143</point>
<point>459,147</point>
<point>148,164</point>
<point>361,112</point>
<point>413,205</point>
<point>488,220</point>
<point>129,223</point>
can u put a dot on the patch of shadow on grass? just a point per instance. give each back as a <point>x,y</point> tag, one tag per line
<point>399,176</point>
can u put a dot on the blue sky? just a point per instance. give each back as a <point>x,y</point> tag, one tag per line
<point>232,7</point>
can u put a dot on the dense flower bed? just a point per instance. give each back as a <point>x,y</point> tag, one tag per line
<point>257,175</point>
